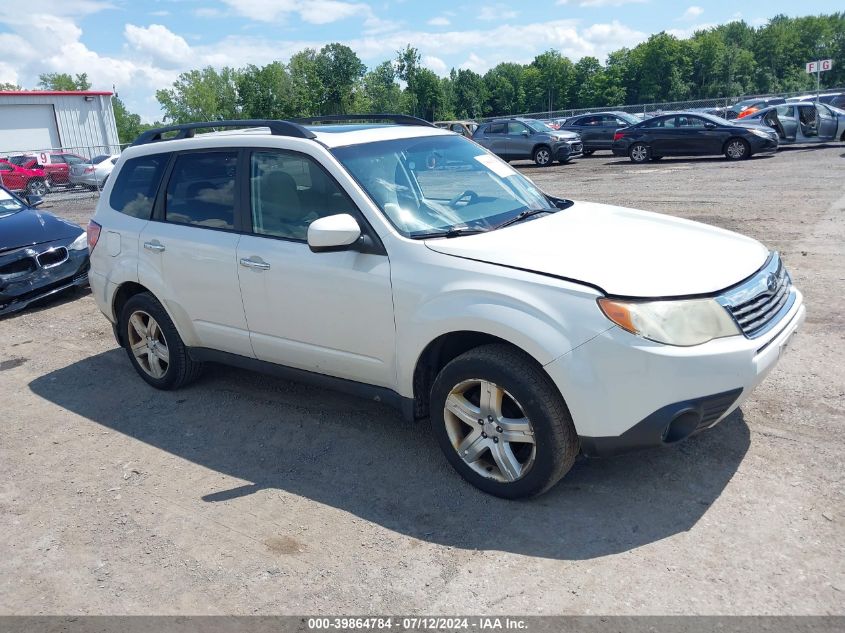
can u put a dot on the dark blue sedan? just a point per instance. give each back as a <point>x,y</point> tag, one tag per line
<point>40,254</point>
<point>692,134</point>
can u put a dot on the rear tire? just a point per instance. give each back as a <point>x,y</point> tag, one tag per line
<point>37,187</point>
<point>737,149</point>
<point>526,440</point>
<point>543,156</point>
<point>588,152</point>
<point>153,345</point>
<point>639,153</point>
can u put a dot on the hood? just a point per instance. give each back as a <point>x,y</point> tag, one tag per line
<point>566,135</point>
<point>29,227</point>
<point>623,252</point>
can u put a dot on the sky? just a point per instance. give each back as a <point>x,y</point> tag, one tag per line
<point>139,46</point>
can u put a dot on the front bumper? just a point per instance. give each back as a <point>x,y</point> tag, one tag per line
<point>568,150</point>
<point>626,393</point>
<point>33,273</point>
<point>764,145</point>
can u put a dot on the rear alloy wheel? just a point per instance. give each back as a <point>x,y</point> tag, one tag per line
<point>501,422</point>
<point>639,153</point>
<point>37,187</point>
<point>153,344</point>
<point>543,156</point>
<point>737,149</point>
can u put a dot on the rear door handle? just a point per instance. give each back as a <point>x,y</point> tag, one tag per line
<point>154,246</point>
<point>255,263</point>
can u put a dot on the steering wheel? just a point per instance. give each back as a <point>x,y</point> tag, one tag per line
<point>469,193</point>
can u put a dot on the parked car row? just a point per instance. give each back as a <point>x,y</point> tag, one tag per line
<point>39,174</point>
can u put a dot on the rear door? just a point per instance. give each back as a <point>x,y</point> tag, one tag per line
<point>188,251</point>
<point>330,313</point>
<point>11,179</point>
<point>661,136</point>
<point>785,122</point>
<point>695,138</point>
<point>494,138</point>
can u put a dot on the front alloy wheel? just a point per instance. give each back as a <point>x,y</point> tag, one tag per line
<point>543,156</point>
<point>501,422</point>
<point>37,188</point>
<point>489,430</point>
<point>737,149</point>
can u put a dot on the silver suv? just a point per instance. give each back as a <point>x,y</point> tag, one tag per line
<point>521,139</point>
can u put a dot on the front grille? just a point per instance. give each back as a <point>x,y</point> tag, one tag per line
<point>758,304</point>
<point>53,257</point>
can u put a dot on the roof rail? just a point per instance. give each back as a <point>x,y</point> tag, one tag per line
<point>187,130</point>
<point>398,119</point>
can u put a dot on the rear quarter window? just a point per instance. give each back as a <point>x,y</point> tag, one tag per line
<point>135,189</point>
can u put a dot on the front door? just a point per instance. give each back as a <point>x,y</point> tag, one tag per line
<point>188,251</point>
<point>330,313</point>
<point>827,122</point>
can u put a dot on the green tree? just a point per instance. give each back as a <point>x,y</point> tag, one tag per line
<point>266,92</point>
<point>129,125</point>
<point>378,91</point>
<point>429,96</point>
<point>407,68</point>
<point>554,84</point>
<point>9,87</point>
<point>469,93</point>
<point>201,95</point>
<point>339,70</point>
<point>63,81</point>
<point>306,83</point>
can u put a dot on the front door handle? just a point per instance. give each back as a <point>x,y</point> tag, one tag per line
<point>256,263</point>
<point>154,246</point>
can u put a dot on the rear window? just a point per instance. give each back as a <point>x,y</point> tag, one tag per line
<point>201,191</point>
<point>135,189</point>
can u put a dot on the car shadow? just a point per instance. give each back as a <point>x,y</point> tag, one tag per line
<point>359,456</point>
<point>674,160</point>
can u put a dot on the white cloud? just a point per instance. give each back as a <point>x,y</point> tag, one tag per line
<point>690,31</point>
<point>313,11</point>
<point>606,3</point>
<point>159,43</point>
<point>439,21</point>
<point>691,13</point>
<point>435,64</point>
<point>496,12</point>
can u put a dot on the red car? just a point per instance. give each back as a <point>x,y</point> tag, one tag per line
<point>17,178</point>
<point>57,169</point>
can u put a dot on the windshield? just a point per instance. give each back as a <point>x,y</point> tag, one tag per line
<point>436,184</point>
<point>21,160</point>
<point>537,126</point>
<point>9,204</point>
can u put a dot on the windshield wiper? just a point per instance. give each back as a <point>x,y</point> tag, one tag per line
<point>523,215</point>
<point>454,232</point>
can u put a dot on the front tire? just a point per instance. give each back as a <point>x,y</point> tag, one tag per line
<point>639,153</point>
<point>543,156</point>
<point>588,152</point>
<point>155,348</point>
<point>502,423</point>
<point>737,149</point>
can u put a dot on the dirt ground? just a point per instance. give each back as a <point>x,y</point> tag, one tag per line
<point>246,494</point>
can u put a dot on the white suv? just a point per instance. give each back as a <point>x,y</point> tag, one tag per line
<point>406,263</point>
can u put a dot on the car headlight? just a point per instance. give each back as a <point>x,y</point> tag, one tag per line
<point>682,322</point>
<point>80,243</point>
<point>760,133</point>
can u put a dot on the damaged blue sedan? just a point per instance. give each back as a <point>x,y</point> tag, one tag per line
<point>40,254</point>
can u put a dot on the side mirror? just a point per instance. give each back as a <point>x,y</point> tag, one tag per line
<point>525,132</point>
<point>34,201</point>
<point>333,233</point>
<point>710,126</point>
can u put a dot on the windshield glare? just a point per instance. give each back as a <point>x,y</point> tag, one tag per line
<point>8,204</point>
<point>436,184</point>
<point>538,126</point>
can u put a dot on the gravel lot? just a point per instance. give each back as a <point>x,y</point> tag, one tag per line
<point>246,494</point>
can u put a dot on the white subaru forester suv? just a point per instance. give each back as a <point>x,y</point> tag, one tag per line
<point>405,263</point>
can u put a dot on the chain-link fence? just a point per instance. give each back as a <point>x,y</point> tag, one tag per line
<point>59,173</point>
<point>650,109</point>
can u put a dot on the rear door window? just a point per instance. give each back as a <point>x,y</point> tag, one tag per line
<point>201,190</point>
<point>497,128</point>
<point>135,189</point>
